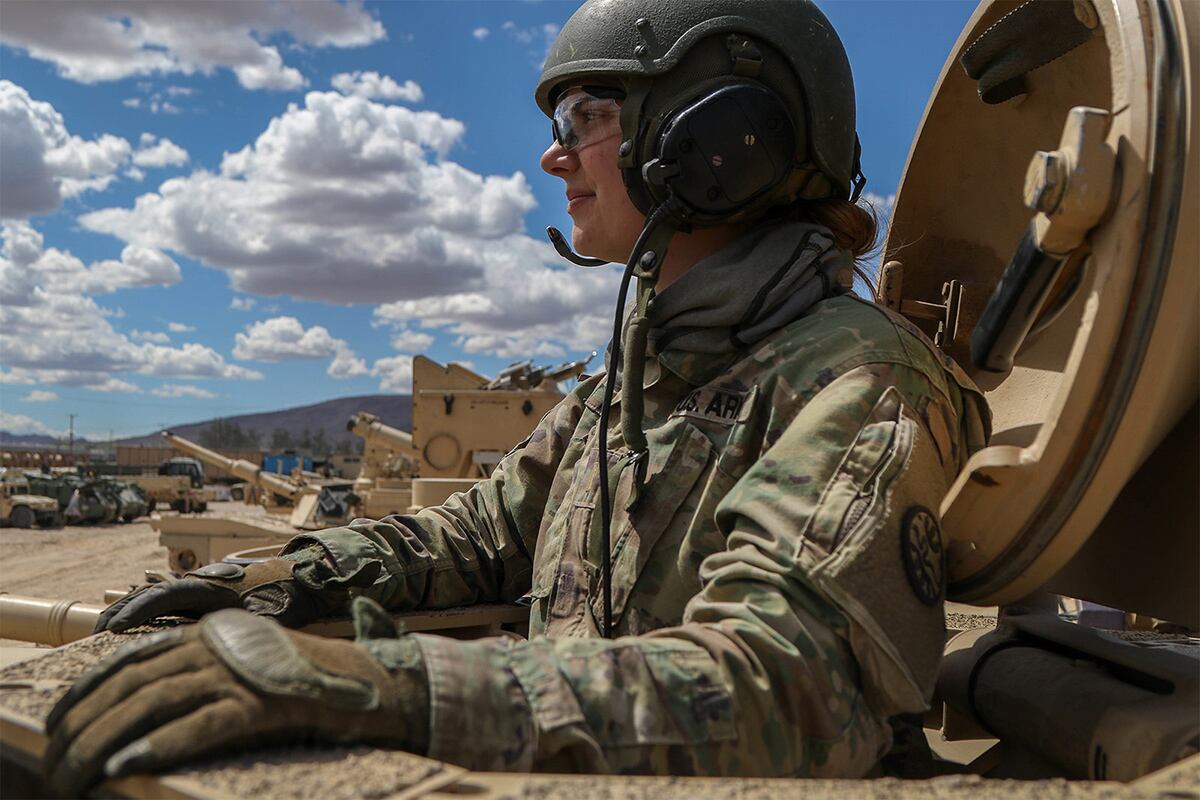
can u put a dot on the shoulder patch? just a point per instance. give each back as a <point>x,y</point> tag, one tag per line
<point>923,555</point>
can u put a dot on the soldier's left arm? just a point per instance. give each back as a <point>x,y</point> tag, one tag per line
<point>821,618</point>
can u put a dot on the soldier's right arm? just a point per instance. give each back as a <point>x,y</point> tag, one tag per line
<point>476,547</point>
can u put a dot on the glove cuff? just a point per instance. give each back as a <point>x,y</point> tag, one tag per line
<point>401,656</point>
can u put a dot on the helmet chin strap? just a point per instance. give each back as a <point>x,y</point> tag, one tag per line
<point>644,263</point>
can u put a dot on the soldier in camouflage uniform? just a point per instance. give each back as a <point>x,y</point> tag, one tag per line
<point>776,558</point>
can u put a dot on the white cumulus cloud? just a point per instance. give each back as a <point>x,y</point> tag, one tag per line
<point>154,152</point>
<point>108,40</point>
<point>179,327</point>
<point>285,338</point>
<point>15,378</point>
<point>23,424</point>
<point>27,267</point>
<point>480,33</point>
<point>372,85</point>
<point>41,163</point>
<point>52,330</point>
<point>344,200</point>
<point>346,364</point>
<point>182,390</point>
<point>408,341</point>
<point>242,303</point>
<point>115,385</point>
<point>394,373</point>
<point>149,336</point>
<point>39,396</point>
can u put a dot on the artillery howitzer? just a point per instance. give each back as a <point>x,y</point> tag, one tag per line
<point>463,424</point>
<point>389,463</point>
<point>309,504</point>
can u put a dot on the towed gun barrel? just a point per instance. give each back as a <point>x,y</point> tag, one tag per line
<point>239,467</point>
<point>369,427</point>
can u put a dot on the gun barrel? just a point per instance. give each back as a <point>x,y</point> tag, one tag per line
<point>52,622</point>
<point>239,467</point>
<point>372,430</point>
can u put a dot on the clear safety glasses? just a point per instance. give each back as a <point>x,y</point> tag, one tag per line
<point>586,114</point>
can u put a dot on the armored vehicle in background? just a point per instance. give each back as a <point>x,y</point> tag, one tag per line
<point>389,463</point>
<point>310,503</point>
<point>293,504</point>
<point>463,424</point>
<point>21,507</point>
<point>175,492</point>
<point>59,486</point>
<point>132,500</point>
<point>95,500</point>
<point>102,501</point>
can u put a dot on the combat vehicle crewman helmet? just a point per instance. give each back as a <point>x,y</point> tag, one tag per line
<point>792,82</point>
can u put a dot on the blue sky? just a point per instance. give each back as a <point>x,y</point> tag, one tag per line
<point>218,209</point>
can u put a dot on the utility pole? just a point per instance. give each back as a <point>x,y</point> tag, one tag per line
<point>71,440</point>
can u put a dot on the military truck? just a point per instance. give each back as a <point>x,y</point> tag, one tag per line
<point>175,492</point>
<point>186,467</point>
<point>20,507</point>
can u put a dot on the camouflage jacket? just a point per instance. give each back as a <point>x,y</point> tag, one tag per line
<point>777,580</point>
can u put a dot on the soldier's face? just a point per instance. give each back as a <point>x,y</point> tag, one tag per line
<point>606,221</point>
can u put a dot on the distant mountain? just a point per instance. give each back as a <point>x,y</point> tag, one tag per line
<point>37,440</point>
<point>330,417</point>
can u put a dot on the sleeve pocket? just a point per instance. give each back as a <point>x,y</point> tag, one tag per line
<point>877,553</point>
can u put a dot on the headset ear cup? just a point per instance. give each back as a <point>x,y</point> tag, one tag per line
<point>723,156</point>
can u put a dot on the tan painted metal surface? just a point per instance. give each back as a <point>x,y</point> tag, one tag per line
<point>57,622</point>
<point>1115,366</point>
<point>461,428</point>
<point>52,622</point>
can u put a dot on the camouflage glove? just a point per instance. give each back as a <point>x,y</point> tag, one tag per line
<point>232,682</point>
<point>293,590</point>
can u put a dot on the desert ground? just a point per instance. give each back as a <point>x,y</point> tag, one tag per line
<point>77,562</point>
<point>81,562</point>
